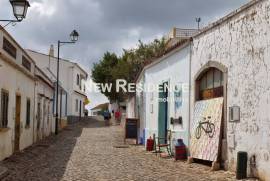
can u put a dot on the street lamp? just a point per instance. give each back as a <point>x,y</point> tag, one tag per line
<point>74,36</point>
<point>20,8</point>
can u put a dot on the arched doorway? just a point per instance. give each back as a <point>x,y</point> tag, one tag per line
<point>210,83</point>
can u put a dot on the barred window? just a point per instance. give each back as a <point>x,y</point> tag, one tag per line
<point>4,109</point>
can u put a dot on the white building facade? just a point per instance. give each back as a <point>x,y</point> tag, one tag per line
<point>140,108</point>
<point>130,107</point>
<point>19,88</point>
<point>45,122</point>
<point>72,79</point>
<point>166,107</point>
<point>237,48</point>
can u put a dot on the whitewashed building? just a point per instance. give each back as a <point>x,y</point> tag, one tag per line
<point>140,108</point>
<point>72,80</point>
<point>130,107</point>
<point>230,59</point>
<point>167,109</point>
<point>20,83</point>
<point>44,93</point>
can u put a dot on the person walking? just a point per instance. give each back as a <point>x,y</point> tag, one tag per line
<point>118,116</point>
<point>107,117</point>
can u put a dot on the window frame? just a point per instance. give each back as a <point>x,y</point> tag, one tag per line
<point>26,63</point>
<point>28,113</point>
<point>78,80</point>
<point>213,91</point>
<point>9,48</point>
<point>77,105</point>
<point>4,109</point>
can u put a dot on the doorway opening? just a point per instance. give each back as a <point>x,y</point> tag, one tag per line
<point>17,124</point>
<point>163,110</point>
<point>80,109</point>
<point>211,83</point>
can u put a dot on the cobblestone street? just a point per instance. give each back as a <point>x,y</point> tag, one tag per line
<point>88,151</point>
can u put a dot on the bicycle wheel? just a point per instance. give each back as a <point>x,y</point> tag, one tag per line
<point>198,132</point>
<point>211,132</point>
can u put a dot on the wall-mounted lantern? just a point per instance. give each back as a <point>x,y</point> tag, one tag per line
<point>234,113</point>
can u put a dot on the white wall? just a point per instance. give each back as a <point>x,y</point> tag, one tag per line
<point>130,109</point>
<point>140,108</point>
<point>175,70</point>
<point>242,45</point>
<point>67,76</point>
<point>113,107</point>
<point>16,82</point>
<point>15,79</point>
<point>47,121</point>
<point>78,97</point>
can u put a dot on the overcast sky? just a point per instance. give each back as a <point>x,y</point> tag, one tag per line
<point>107,25</point>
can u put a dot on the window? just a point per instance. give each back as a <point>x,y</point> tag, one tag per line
<point>28,104</point>
<point>4,109</point>
<point>77,105</point>
<point>78,79</point>
<point>9,48</point>
<point>26,63</point>
<point>211,84</point>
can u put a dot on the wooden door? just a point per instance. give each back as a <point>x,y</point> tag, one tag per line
<point>17,124</point>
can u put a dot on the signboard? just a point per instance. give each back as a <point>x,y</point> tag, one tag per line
<point>131,129</point>
<point>205,133</point>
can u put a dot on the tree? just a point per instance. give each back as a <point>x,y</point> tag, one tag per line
<point>102,73</point>
<point>127,66</point>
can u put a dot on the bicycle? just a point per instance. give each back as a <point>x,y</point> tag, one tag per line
<point>209,129</point>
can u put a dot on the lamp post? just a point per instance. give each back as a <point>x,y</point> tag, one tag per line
<point>74,36</point>
<point>20,8</point>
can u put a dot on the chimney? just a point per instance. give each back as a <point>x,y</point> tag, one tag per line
<point>51,51</point>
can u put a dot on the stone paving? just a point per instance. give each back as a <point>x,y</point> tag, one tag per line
<point>88,151</point>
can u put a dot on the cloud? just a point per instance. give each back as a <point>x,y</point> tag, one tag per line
<point>45,8</point>
<point>107,25</point>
